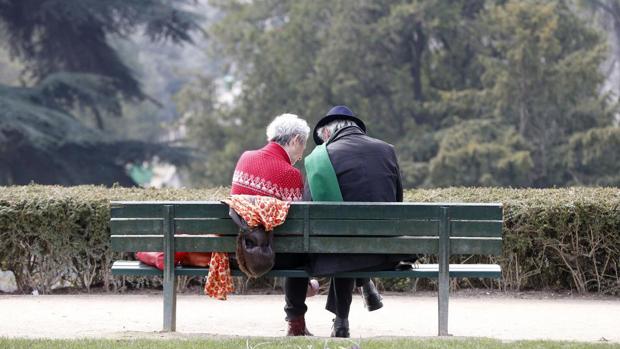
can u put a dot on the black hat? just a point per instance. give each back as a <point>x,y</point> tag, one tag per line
<point>339,112</point>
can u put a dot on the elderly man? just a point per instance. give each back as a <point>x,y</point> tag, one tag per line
<point>348,165</point>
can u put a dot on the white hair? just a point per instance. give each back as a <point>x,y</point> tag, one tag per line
<point>332,127</point>
<point>285,127</point>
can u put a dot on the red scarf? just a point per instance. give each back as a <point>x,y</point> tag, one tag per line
<point>265,211</point>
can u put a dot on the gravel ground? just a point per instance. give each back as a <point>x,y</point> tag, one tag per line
<point>501,316</point>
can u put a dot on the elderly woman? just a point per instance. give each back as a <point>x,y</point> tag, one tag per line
<point>269,171</point>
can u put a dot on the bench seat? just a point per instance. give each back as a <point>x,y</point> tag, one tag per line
<point>137,268</point>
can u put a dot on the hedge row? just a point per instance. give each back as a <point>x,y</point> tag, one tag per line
<point>554,238</point>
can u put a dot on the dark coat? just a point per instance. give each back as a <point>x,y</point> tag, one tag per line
<point>367,170</point>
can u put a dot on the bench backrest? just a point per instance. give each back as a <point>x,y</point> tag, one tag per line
<point>315,227</point>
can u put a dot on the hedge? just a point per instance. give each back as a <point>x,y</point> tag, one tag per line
<point>561,239</point>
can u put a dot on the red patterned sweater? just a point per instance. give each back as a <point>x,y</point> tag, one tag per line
<point>267,172</point>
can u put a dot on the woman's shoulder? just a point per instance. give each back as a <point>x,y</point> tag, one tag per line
<point>294,172</point>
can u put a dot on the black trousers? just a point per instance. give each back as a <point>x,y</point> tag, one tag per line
<point>294,288</point>
<point>339,297</point>
<point>340,293</point>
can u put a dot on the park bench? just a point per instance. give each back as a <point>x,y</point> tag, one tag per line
<point>438,229</point>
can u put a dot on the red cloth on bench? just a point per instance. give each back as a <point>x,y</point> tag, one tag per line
<point>190,259</point>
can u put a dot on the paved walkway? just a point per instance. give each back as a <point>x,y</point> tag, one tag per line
<point>127,316</point>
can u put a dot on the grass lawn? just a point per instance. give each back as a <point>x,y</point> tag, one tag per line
<point>282,343</point>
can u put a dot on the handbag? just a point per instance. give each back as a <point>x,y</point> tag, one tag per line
<point>254,251</point>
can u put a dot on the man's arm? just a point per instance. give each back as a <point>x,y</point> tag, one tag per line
<point>399,183</point>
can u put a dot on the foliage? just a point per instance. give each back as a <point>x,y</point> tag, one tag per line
<point>55,233</point>
<point>481,153</point>
<point>553,238</point>
<point>543,79</point>
<point>41,142</point>
<point>518,77</point>
<point>52,36</point>
<point>593,152</point>
<point>217,135</point>
<point>70,68</point>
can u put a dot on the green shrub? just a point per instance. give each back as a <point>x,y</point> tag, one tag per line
<point>554,238</point>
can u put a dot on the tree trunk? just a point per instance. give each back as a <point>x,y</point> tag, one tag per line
<point>419,41</point>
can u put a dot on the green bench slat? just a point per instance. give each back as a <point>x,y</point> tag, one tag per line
<point>402,210</point>
<point>154,226</point>
<point>221,226</point>
<point>153,209</point>
<point>228,227</point>
<point>137,268</point>
<point>476,228</point>
<point>318,210</point>
<point>195,243</point>
<point>390,245</point>
<point>475,246</point>
<point>317,227</point>
<point>476,212</point>
<point>137,226</point>
<point>215,209</point>
<point>374,227</point>
<point>365,211</point>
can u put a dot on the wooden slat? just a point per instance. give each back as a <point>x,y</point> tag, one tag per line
<point>228,244</point>
<point>389,245</point>
<point>153,226</point>
<point>136,210</point>
<point>134,268</point>
<point>476,212</point>
<point>373,227</point>
<point>136,226</point>
<point>323,210</point>
<point>213,209</point>
<point>420,271</point>
<point>403,245</point>
<point>228,227</point>
<point>392,245</point>
<point>153,209</point>
<point>196,243</point>
<point>134,243</point>
<point>368,211</point>
<point>206,226</point>
<point>476,228</point>
<point>476,246</point>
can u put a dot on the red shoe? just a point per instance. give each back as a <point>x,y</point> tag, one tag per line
<point>297,327</point>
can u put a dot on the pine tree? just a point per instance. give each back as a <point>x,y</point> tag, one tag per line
<point>68,64</point>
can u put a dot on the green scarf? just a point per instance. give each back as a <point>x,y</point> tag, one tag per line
<point>321,176</point>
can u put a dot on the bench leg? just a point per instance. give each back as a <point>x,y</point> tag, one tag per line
<point>442,301</point>
<point>170,289</point>
<point>444,273</point>
<point>170,304</point>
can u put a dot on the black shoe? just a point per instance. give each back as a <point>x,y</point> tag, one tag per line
<point>340,328</point>
<point>372,298</point>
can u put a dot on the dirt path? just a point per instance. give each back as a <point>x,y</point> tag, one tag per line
<point>128,316</point>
